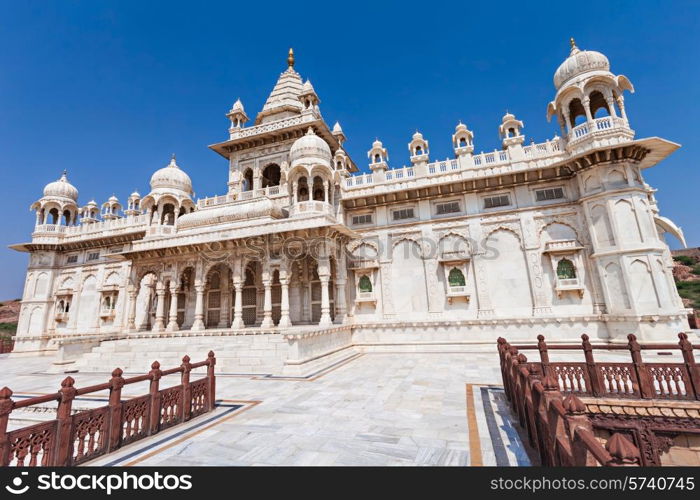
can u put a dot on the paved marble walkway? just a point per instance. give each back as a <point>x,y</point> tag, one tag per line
<point>376,409</point>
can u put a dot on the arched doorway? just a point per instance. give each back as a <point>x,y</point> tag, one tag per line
<point>250,295</point>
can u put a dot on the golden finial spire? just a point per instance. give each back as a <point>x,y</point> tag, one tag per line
<point>572,42</point>
<point>290,58</point>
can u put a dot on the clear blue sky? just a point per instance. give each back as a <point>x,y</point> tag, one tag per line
<point>108,90</point>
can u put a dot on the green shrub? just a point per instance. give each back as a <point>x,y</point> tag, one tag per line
<point>696,269</point>
<point>8,329</point>
<point>685,260</point>
<point>690,290</point>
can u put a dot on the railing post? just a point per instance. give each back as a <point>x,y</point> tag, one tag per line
<point>544,355</point>
<point>597,388</point>
<point>211,381</point>
<point>186,406</point>
<point>115,409</point>
<point>6,404</point>
<point>155,374</point>
<point>689,360</point>
<point>646,389</point>
<point>64,422</point>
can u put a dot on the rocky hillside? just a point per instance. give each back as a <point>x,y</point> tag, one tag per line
<point>9,314</point>
<point>686,272</point>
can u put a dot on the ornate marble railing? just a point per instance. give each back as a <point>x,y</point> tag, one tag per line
<point>599,124</point>
<point>543,149</point>
<point>272,126</point>
<point>124,224</point>
<point>494,158</point>
<point>270,192</point>
<point>304,207</point>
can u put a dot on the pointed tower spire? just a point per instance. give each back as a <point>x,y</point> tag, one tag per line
<point>290,58</point>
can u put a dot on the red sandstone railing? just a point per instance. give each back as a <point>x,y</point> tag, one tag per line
<point>558,427</point>
<point>74,438</point>
<point>676,381</point>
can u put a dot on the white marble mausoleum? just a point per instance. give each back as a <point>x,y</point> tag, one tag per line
<point>305,260</point>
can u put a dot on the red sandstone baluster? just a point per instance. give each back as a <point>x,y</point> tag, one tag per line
<point>544,355</point>
<point>6,404</point>
<point>115,409</point>
<point>597,388</point>
<point>155,374</point>
<point>646,388</point>
<point>211,380</point>
<point>64,430</point>
<point>186,406</point>
<point>691,367</point>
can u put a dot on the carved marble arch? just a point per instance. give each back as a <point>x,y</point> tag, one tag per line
<point>113,278</point>
<point>411,239</point>
<point>548,231</point>
<point>508,228</point>
<point>68,283</point>
<point>143,271</point>
<point>354,246</point>
<point>452,235</point>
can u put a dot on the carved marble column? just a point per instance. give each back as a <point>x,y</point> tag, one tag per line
<point>224,306</point>
<point>482,286</point>
<point>238,305</point>
<point>285,321</point>
<point>199,307</point>
<point>172,316</point>
<point>131,320</point>
<point>267,304</point>
<point>340,301</point>
<point>160,308</point>
<point>541,304</point>
<point>325,302</point>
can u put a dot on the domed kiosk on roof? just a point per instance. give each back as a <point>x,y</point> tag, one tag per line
<point>170,196</point>
<point>589,103</point>
<point>310,149</point>
<point>58,205</point>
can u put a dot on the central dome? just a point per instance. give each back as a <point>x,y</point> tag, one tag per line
<point>171,177</point>
<point>61,189</point>
<point>310,149</point>
<point>580,61</point>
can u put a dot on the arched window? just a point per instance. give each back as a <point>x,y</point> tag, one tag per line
<point>456,277</point>
<point>53,213</point>
<point>365,284</point>
<point>377,158</point>
<point>319,190</point>
<point>577,113</point>
<point>248,180</point>
<point>303,190</point>
<point>462,142</point>
<point>566,270</point>
<point>61,307</point>
<point>511,132</point>
<point>419,150</point>
<point>167,217</point>
<point>271,175</point>
<point>598,103</point>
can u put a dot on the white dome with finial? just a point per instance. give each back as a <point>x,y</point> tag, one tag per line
<point>310,149</point>
<point>171,178</point>
<point>61,189</point>
<point>580,61</point>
